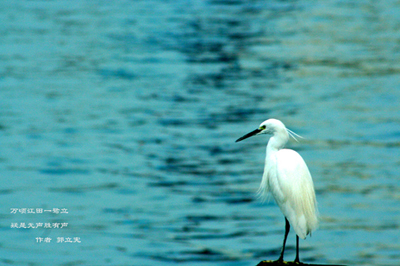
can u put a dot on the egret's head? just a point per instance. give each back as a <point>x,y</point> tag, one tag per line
<point>271,127</point>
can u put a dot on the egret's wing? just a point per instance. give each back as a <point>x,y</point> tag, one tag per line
<point>297,198</point>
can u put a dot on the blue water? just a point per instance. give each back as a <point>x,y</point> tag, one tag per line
<point>125,113</point>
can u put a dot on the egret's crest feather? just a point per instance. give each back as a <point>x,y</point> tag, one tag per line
<point>293,135</point>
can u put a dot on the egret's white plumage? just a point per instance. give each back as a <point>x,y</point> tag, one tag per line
<point>287,178</point>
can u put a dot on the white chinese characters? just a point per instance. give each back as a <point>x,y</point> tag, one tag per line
<point>37,210</point>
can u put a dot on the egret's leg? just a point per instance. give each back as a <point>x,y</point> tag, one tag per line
<point>297,250</point>
<point>287,229</point>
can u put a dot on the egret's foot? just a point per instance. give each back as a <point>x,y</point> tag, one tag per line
<point>279,261</point>
<point>297,261</point>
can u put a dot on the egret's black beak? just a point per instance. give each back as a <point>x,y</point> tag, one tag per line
<point>248,135</point>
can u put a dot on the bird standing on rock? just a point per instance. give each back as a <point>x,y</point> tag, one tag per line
<point>287,178</point>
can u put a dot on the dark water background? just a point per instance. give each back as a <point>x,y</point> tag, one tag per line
<point>126,113</point>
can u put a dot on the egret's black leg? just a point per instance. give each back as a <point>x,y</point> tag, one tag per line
<point>297,250</point>
<point>287,229</point>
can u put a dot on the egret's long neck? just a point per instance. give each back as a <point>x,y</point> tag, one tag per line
<point>277,141</point>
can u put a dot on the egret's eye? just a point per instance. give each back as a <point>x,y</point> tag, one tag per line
<point>262,127</point>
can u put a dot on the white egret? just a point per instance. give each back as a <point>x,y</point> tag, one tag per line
<point>288,179</point>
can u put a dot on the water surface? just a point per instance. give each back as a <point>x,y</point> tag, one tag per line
<point>126,113</point>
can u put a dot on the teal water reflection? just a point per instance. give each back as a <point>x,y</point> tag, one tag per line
<point>126,113</point>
